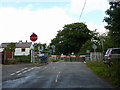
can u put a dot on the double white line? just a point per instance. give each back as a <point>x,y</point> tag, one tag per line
<point>22,71</point>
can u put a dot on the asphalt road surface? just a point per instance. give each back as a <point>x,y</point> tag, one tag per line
<point>54,75</point>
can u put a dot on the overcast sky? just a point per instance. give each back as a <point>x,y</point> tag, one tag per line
<point>19,18</point>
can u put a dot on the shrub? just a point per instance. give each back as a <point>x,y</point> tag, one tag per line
<point>55,60</point>
<point>23,58</point>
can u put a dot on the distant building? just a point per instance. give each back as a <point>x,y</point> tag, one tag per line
<point>22,48</point>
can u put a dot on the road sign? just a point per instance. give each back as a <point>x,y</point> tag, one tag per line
<point>33,37</point>
<point>94,46</point>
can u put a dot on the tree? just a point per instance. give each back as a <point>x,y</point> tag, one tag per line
<point>113,22</point>
<point>86,46</point>
<point>71,38</point>
<point>10,47</point>
<point>42,48</point>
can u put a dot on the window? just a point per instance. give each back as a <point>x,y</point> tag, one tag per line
<point>107,52</point>
<point>116,51</point>
<point>23,50</point>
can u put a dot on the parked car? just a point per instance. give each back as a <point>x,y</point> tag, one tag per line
<point>111,54</point>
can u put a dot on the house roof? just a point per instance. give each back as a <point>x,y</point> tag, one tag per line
<point>18,45</point>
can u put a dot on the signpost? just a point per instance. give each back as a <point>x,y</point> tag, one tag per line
<point>94,47</point>
<point>33,38</point>
<point>53,47</point>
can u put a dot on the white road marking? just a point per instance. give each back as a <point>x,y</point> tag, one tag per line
<point>20,74</point>
<point>22,71</point>
<point>32,68</point>
<point>57,77</point>
<point>12,74</point>
<point>18,71</point>
<point>26,71</point>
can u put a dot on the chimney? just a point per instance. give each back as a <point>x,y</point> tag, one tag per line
<point>20,41</point>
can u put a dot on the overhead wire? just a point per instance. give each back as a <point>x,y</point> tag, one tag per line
<point>82,9</point>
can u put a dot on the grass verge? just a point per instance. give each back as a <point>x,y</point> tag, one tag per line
<point>55,60</point>
<point>111,74</point>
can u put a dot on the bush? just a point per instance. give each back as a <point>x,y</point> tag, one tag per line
<point>23,58</point>
<point>7,62</point>
<point>55,60</point>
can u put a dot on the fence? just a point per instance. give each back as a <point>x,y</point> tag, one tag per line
<point>96,56</point>
<point>67,58</point>
<point>0,57</point>
<point>0,70</point>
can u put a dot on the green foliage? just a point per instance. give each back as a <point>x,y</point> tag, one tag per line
<point>45,51</point>
<point>55,60</point>
<point>7,62</point>
<point>22,58</point>
<point>10,47</point>
<point>71,38</point>
<point>113,22</point>
<point>110,73</point>
<point>87,46</point>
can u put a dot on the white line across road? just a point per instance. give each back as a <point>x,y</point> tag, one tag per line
<point>22,71</point>
<point>26,71</point>
<point>57,77</point>
<point>19,71</point>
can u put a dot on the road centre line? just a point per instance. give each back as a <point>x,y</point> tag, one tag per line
<point>57,77</point>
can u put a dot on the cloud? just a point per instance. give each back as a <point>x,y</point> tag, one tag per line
<point>16,24</point>
<point>29,5</point>
<point>99,28</point>
<point>91,5</point>
<point>34,0</point>
<point>113,0</point>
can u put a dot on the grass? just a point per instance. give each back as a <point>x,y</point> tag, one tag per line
<point>111,74</point>
<point>55,60</point>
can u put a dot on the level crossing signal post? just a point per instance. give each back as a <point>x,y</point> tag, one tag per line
<point>33,38</point>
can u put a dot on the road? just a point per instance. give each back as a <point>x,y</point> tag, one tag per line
<point>54,75</point>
